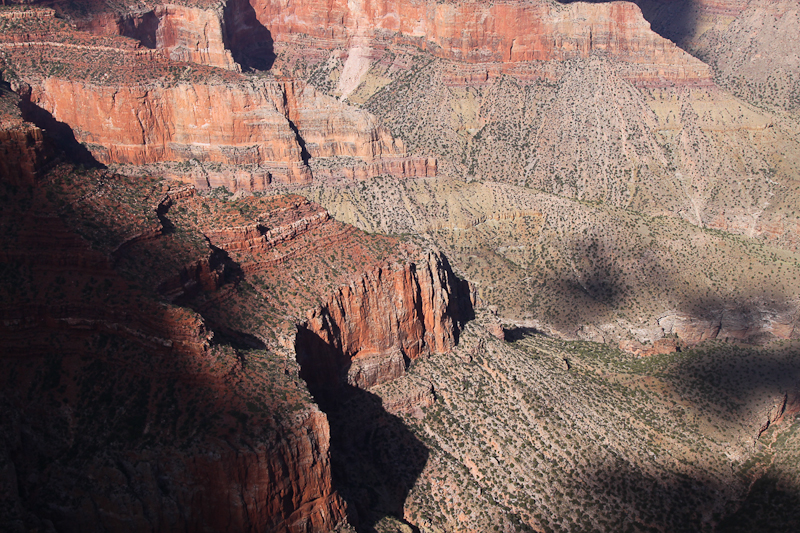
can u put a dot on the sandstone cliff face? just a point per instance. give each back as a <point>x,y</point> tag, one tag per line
<point>24,152</point>
<point>271,126</point>
<point>192,35</point>
<point>367,330</point>
<point>250,123</point>
<point>162,98</point>
<point>507,32</point>
<point>187,33</point>
<point>757,322</point>
<point>138,125</point>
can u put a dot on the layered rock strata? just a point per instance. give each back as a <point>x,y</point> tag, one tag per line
<point>757,322</point>
<point>189,34</point>
<point>118,458</point>
<point>510,32</point>
<point>271,126</point>
<point>368,330</point>
<point>174,104</point>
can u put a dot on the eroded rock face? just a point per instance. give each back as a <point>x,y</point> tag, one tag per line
<point>505,32</point>
<point>115,422</point>
<point>192,35</point>
<point>23,153</point>
<point>368,330</point>
<point>172,95</point>
<point>272,127</point>
<point>138,125</point>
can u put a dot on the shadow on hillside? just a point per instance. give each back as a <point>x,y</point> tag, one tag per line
<point>375,459</point>
<point>741,383</point>
<point>249,41</point>
<point>59,132</point>
<point>591,285</point>
<point>674,501</point>
<point>770,506</point>
<point>520,332</point>
<point>675,20</point>
<point>142,28</point>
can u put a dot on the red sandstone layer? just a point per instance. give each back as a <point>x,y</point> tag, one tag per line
<point>366,331</point>
<point>496,32</point>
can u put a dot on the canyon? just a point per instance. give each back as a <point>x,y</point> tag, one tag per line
<point>399,266</point>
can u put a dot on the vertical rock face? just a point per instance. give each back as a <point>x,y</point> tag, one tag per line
<point>171,103</point>
<point>367,330</point>
<point>181,33</point>
<point>273,126</point>
<point>110,440</point>
<point>193,35</point>
<point>133,124</point>
<point>24,150</point>
<point>247,123</point>
<point>507,32</point>
<point>23,153</point>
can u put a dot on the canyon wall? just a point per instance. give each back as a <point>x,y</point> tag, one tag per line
<point>759,322</point>
<point>273,126</point>
<point>507,32</point>
<point>138,125</point>
<point>193,35</point>
<point>368,330</point>
<point>24,153</point>
<point>116,459</point>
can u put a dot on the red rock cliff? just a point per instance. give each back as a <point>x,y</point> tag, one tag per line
<point>509,31</point>
<point>251,122</point>
<point>117,457</point>
<point>368,329</point>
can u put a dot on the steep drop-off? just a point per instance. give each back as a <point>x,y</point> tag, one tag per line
<point>130,402</point>
<point>506,32</point>
<point>369,329</point>
<point>148,340</point>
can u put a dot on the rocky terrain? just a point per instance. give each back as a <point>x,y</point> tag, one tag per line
<point>402,266</point>
<point>148,337</point>
<point>751,44</point>
<point>586,270</point>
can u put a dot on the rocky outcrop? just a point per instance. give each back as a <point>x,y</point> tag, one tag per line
<point>116,458</point>
<point>163,99</point>
<point>259,238</point>
<point>755,323</point>
<point>368,330</point>
<point>192,35</point>
<point>24,152</point>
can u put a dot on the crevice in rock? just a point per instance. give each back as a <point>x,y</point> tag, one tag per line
<point>304,154</point>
